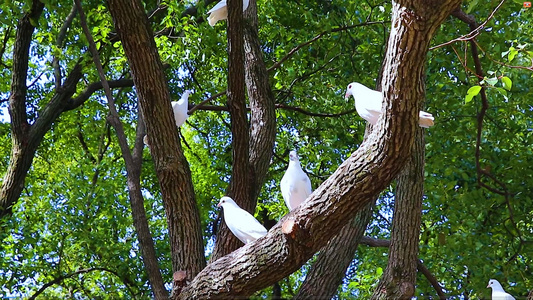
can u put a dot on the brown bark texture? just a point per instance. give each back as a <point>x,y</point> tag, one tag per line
<point>399,279</point>
<point>133,163</point>
<point>171,166</point>
<point>326,274</point>
<point>25,137</point>
<point>357,181</point>
<point>262,103</point>
<point>336,257</point>
<point>258,138</point>
<point>240,187</point>
<point>372,242</point>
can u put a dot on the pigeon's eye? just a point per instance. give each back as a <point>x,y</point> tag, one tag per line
<point>350,86</point>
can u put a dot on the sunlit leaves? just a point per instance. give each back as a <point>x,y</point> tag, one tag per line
<point>472,92</point>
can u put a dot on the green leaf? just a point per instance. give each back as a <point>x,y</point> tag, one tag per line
<point>507,83</point>
<point>472,92</point>
<point>471,5</point>
<point>491,81</point>
<point>512,53</point>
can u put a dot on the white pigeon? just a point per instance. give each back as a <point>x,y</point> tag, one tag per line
<point>243,225</point>
<point>295,185</point>
<point>181,107</point>
<point>368,104</point>
<point>220,11</point>
<point>497,291</point>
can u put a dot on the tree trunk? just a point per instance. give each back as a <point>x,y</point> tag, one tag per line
<point>343,247</point>
<point>399,279</point>
<point>326,274</point>
<point>26,138</point>
<point>357,181</point>
<point>248,177</point>
<point>240,188</point>
<point>171,165</point>
<point>263,111</point>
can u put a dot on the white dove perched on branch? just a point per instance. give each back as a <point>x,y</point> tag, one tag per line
<point>368,104</point>
<point>497,291</point>
<point>181,107</point>
<point>295,185</point>
<point>220,11</point>
<point>243,225</point>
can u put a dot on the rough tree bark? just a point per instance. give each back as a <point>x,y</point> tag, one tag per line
<point>171,165</point>
<point>336,257</point>
<point>240,188</point>
<point>326,274</point>
<point>356,182</point>
<point>133,161</point>
<point>26,138</point>
<point>262,103</point>
<point>399,279</point>
<point>259,140</point>
<point>372,242</point>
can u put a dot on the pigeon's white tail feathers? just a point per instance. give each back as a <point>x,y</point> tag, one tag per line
<point>220,11</point>
<point>426,119</point>
<point>217,15</point>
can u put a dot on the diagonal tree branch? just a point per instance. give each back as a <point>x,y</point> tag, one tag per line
<point>474,30</point>
<point>89,90</point>
<point>133,169</point>
<point>171,166</point>
<point>60,41</point>
<point>356,182</point>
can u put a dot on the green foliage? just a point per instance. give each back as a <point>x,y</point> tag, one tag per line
<point>75,214</point>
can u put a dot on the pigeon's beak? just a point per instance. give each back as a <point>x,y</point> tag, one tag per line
<point>488,286</point>
<point>218,205</point>
<point>347,95</point>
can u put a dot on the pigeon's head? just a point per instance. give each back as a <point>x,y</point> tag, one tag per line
<point>349,90</point>
<point>186,93</point>
<point>354,88</point>
<point>225,200</point>
<point>494,284</point>
<point>293,156</point>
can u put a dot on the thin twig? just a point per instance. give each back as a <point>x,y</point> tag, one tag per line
<point>317,37</point>
<point>472,34</point>
<point>372,242</point>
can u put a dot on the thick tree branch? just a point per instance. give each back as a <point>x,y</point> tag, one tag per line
<point>27,138</point>
<point>399,278</point>
<point>17,98</point>
<point>325,276</point>
<point>356,182</point>
<point>337,256</point>
<point>263,113</point>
